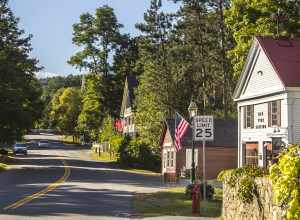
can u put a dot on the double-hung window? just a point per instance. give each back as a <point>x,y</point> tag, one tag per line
<point>170,159</point>
<point>274,113</point>
<point>249,116</point>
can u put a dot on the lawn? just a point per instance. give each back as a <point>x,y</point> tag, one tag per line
<point>174,202</point>
<point>142,171</point>
<point>104,156</point>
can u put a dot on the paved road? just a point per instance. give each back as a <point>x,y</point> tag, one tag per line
<point>82,189</point>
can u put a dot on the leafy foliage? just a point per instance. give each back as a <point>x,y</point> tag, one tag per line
<point>248,18</point>
<point>137,154</point>
<point>98,36</point>
<point>285,178</point>
<point>244,179</point>
<point>50,87</point>
<point>65,109</point>
<point>90,118</point>
<point>115,142</point>
<point>20,91</point>
<point>107,130</point>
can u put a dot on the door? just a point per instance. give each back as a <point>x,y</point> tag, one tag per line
<point>251,153</point>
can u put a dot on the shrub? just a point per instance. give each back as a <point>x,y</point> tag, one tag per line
<point>115,142</point>
<point>137,154</point>
<point>223,174</point>
<point>244,179</point>
<point>122,153</point>
<point>247,189</point>
<point>285,177</point>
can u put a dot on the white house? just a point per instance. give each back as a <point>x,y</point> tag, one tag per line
<point>268,100</point>
<point>127,111</point>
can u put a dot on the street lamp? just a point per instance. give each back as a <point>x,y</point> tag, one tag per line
<point>193,109</point>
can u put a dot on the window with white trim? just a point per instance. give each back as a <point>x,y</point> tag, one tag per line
<point>170,159</point>
<point>249,116</point>
<point>274,113</point>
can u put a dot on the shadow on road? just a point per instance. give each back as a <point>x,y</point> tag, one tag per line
<point>93,188</point>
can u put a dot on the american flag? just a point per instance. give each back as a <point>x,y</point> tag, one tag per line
<point>181,126</point>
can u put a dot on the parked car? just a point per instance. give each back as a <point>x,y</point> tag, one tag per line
<point>20,148</point>
<point>43,143</point>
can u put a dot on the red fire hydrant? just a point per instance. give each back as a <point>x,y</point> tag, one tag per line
<point>196,199</point>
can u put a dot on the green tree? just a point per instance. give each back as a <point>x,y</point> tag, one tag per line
<point>99,37</point>
<point>20,103</point>
<point>50,87</point>
<point>248,18</point>
<point>108,129</point>
<point>154,95</point>
<point>90,118</point>
<point>65,109</point>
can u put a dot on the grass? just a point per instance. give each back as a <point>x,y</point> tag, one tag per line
<point>173,202</point>
<point>142,171</point>
<point>104,156</point>
<point>3,167</point>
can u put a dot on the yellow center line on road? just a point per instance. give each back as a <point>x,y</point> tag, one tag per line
<point>51,187</point>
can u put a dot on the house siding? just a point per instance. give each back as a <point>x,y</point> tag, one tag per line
<point>263,78</point>
<point>294,116</point>
<point>221,153</point>
<point>226,158</point>
<point>261,135</point>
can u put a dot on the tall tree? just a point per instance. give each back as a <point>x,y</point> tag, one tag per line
<point>223,41</point>
<point>65,109</point>
<point>194,29</point>
<point>20,103</point>
<point>90,118</point>
<point>247,18</point>
<point>99,36</point>
<point>154,101</point>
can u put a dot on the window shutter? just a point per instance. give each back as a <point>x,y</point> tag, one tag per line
<point>252,116</point>
<point>278,112</point>
<point>269,114</point>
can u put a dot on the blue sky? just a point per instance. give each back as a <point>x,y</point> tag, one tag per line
<point>50,22</point>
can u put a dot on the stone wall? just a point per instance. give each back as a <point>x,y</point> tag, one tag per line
<point>262,208</point>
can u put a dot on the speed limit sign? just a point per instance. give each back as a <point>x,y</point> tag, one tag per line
<point>204,128</point>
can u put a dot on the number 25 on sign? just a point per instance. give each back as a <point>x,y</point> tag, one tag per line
<point>204,128</point>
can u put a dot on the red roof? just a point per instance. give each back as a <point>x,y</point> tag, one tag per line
<point>284,55</point>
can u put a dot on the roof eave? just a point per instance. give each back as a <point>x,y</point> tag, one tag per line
<point>271,61</point>
<point>239,87</point>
